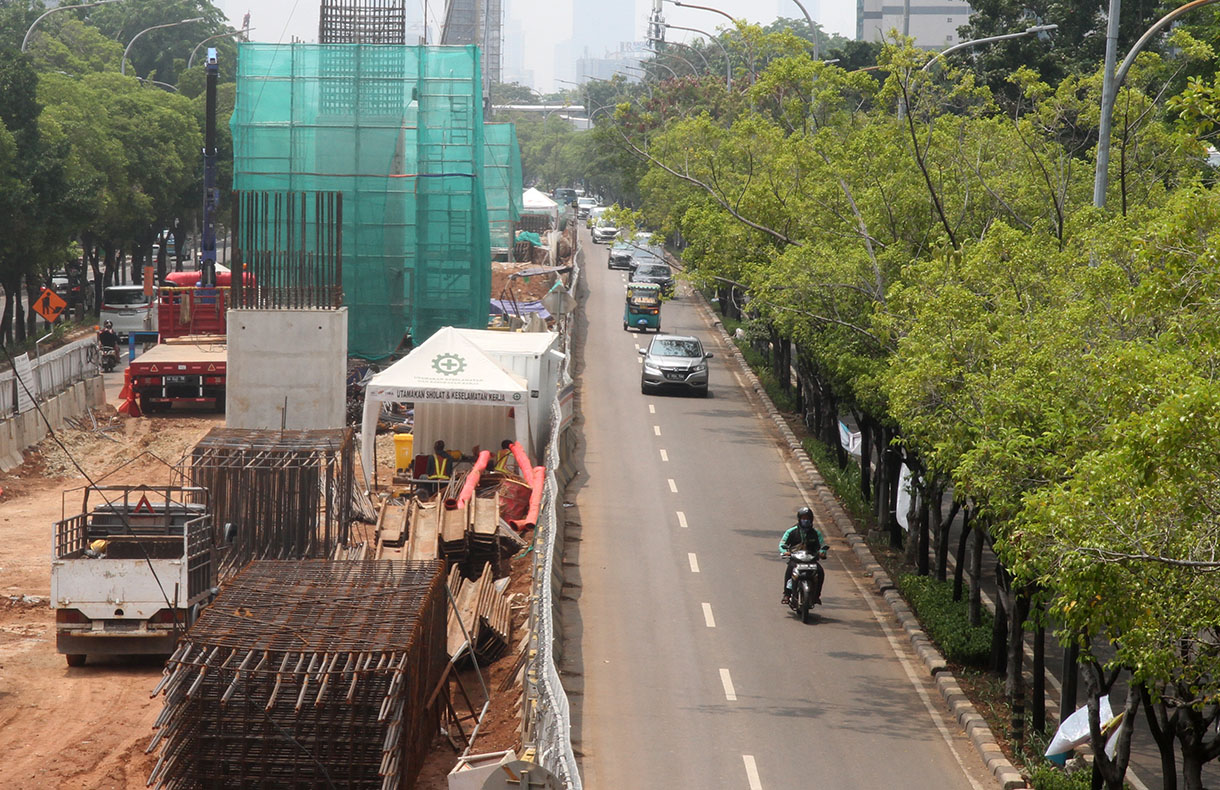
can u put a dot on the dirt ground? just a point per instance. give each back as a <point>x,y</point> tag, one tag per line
<point>87,727</point>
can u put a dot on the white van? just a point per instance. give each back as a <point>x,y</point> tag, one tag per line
<point>129,309</point>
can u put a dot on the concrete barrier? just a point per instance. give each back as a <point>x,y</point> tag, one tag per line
<point>25,430</point>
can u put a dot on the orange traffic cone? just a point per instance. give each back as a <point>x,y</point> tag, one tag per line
<point>129,406</point>
<point>125,393</point>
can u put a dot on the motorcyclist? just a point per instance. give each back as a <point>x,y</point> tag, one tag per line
<point>107,337</point>
<point>802,534</point>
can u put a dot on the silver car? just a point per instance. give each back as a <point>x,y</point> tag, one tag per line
<point>675,362</point>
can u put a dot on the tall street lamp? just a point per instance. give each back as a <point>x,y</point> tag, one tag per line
<point>26,40</point>
<point>242,32</point>
<point>123,63</point>
<point>974,42</point>
<point>813,30</point>
<point>728,64</point>
<point>1114,80</point>
<point>702,57</point>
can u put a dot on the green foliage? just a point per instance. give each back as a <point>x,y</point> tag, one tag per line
<point>947,622</point>
<point>1050,777</point>
<point>845,481</point>
<point>784,401</point>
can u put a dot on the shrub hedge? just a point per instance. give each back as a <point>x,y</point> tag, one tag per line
<point>947,622</point>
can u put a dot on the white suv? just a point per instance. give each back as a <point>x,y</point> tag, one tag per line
<point>603,232</point>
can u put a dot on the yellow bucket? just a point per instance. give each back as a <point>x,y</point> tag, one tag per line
<point>403,458</point>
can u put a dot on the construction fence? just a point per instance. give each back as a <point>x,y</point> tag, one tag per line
<point>502,181</point>
<point>47,375</point>
<point>548,723</point>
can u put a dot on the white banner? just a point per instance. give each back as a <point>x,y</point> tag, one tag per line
<point>849,439</point>
<point>904,497</point>
<point>26,381</point>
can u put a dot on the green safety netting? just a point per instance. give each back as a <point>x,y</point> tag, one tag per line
<point>399,131</point>
<point>502,171</point>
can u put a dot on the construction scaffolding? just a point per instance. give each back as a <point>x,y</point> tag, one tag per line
<point>502,181</point>
<point>398,131</point>
<point>276,494</point>
<point>362,22</point>
<point>306,674</point>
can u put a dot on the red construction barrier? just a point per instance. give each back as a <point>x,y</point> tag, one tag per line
<point>472,480</point>
<point>523,462</point>
<point>531,518</point>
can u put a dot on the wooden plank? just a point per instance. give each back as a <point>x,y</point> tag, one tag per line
<point>422,544</point>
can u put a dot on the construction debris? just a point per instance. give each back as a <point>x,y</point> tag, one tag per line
<point>309,673</point>
<point>483,619</point>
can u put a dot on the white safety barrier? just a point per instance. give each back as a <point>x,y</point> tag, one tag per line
<point>548,723</point>
<point>51,374</point>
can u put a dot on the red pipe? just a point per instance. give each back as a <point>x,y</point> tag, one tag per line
<point>531,518</point>
<point>523,462</point>
<point>472,480</point>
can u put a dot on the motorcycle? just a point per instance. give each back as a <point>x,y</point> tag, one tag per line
<point>806,575</point>
<point>109,358</point>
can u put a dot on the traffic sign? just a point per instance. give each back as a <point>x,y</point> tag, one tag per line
<point>49,304</point>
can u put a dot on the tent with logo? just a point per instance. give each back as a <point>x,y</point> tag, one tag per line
<point>469,388</point>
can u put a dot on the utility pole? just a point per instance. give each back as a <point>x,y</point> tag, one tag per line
<point>207,265</point>
<point>1101,175</point>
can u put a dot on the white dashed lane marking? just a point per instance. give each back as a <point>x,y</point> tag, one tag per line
<point>694,562</point>
<point>707,616</point>
<point>729,692</point>
<point>682,519</point>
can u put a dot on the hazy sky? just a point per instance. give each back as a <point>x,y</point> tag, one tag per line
<point>547,21</point>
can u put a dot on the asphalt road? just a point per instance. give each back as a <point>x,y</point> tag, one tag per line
<point>683,668</point>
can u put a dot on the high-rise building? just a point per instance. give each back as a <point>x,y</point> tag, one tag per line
<point>600,27</point>
<point>933,23</point>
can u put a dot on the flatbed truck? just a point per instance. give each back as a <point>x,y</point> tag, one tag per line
<point>191,370</point>
<point>131,570</point>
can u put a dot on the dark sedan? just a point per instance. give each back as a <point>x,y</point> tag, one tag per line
<point>658,273</point>
<point>620,255</point>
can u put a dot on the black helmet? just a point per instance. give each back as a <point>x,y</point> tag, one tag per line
<point>110,325</point>
<point>804,517</point>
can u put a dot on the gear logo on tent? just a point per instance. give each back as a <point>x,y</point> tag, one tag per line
<point>448,364</point>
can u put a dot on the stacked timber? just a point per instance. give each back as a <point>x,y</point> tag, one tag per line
<point>483,537</point>
<point>482,623</point>
<point>455,526</point>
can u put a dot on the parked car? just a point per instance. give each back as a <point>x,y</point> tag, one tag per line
<point>564,196</point>
<point>73,286</point>
<point>620,255</point>
<point>129,309</point>
<point>658,273</point>
<point>584,205</point>
<point>675,362</point>
<point>604,231</point>
<point>647,254</point>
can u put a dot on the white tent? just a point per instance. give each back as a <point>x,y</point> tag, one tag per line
<point>535,202</point>
<point>449,370</point>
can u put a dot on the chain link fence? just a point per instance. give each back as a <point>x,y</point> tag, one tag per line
<point>548,724</point>
<point>49,374</point>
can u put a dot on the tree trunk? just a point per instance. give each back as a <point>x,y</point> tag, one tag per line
<point>976,578</point>
<point>1038,695</point>
<point>944,528</point>
<point>18,313</point>
<point>1111,771</point>
<point>32,290</point>
<point>1015,682</point>
<point>959,568</point>
<point>866,451</point>
<point>6,321</point>
<point>999,635</point>
<point>1161,724</point>
<point>893,465</point>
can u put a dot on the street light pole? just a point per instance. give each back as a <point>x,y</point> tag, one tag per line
<point>26,40</point>
<point>243,31</point>
<point>1029,31</point>
<point>813,30</point>
<point>123,63</point>
<point>702,57</point>
<point>1113,81</point>
<point>728,64</point>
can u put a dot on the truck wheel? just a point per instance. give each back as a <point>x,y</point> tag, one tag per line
<point>75,659</point>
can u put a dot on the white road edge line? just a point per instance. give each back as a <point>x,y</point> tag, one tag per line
<point>681,519</point>
<point>729,693</point>
<point>664,456</point>
<point>694,562</point>
<point>751,772</point>
<point>707,615</point>
<point>673,486</point>
<point>656,430</point>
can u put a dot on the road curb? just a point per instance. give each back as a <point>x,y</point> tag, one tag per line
<point>956,701</point>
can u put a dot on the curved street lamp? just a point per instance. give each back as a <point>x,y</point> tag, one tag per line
<point>1029,31</point>
<point>1111,84</point>
<point>706,66</point>
<point>728,64</point>
<point>26,40</point>
<point>123,63</point>
<point>813,30</point>
<point>243,31</point>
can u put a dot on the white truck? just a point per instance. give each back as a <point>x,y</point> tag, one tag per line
<point>131,570</point>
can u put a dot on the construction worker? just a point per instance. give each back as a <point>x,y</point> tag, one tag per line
<point>439,465</point>
<point>503,458</point>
